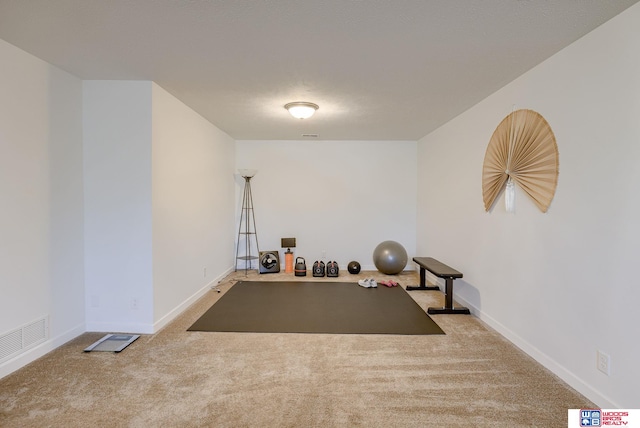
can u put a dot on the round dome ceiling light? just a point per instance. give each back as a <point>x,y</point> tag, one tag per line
<point>301,109</point>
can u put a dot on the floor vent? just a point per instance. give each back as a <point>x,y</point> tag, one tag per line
<point>23,338</point>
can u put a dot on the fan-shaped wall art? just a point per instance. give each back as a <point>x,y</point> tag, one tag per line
<point>523,149</point>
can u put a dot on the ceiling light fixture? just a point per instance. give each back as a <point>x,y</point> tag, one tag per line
<point>301,110</point>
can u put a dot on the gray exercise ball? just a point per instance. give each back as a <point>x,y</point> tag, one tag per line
<point>390,257</point>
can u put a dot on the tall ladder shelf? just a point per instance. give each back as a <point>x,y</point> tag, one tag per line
<point>247,227</point>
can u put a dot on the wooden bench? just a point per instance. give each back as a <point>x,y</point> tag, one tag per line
<point>440,270</point>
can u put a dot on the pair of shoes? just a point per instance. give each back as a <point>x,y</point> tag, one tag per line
<point>368,283</point>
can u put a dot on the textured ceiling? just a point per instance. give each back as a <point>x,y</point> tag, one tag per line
<point>379,69</point>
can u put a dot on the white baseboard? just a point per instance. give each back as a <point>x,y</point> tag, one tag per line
<point>162,322</point>
<point>151,328</point>
<point>40,350</point>
<point>366,268</point>
<point>549,363</point>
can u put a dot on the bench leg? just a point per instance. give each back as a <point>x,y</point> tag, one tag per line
<point>423,282</point>
<point>448,302</point>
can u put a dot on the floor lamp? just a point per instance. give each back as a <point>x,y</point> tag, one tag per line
<point>247,227</point>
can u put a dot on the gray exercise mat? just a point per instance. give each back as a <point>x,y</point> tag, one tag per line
<point>316,307</point>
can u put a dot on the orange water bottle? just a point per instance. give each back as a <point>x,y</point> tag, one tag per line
<point>288,243</point>
<point>288,261</point>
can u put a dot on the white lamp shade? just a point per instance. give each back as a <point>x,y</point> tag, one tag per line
<point>247,172</point>
<point>301,110</point>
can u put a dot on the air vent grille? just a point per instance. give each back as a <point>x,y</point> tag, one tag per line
<point>10,344</point>
<point>34,333</point>
<point>23,338</point>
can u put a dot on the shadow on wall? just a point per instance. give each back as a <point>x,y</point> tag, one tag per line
<point>467,295</point>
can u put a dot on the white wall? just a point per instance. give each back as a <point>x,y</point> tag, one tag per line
<point>41,271</point>
<point>159,205</point>
<point>561,285</point>
<point>117,195</point>
<point>193,205</point>
<point>342,197</point>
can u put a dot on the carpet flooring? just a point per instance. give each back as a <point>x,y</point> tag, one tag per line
<point>469,377</point>
<point>316,307</point>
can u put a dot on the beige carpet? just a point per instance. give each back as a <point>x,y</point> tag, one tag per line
<point>471,376</point>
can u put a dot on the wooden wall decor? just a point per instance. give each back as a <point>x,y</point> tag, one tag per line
<point>524,149</point>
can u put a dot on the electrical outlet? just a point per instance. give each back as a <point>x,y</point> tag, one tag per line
<point>134,303</point>
<point>604,363</point>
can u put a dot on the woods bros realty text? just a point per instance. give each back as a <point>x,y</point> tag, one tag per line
<point>604,418</point>
<point>615,418</point>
